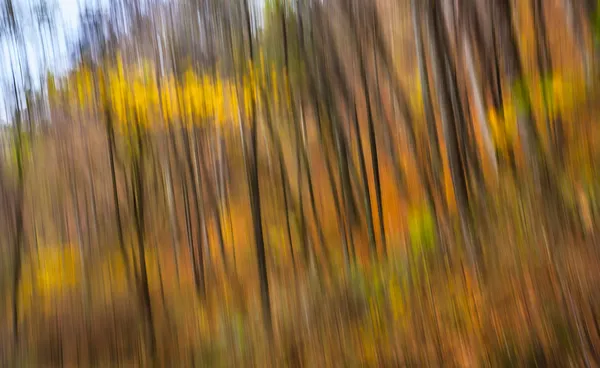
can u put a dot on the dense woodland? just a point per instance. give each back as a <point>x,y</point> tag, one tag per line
<point>301,183</point>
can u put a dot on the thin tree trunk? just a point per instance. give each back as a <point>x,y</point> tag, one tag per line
<point>19,234</point>
<point>300,149</point>
<point>253,183</point>
<point>288,94</point>
<point>331,180</point>
<point>484,128</point>
<point>544,63</point>
<point>110,142</point>
<point>508,40</point>
<point>373,149</point>
<point>195,252</point>
<point>575,23</point>
<point>170,201</point>
<point>441,70</point>
<point>140,227</point>
<point>399,95</point>
<point>198,255</point>
<point>211,192</point>
<point>200,220</point>
<point>286,210</point>
<point>330,131</point>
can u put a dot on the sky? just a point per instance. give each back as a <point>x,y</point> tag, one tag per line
<point>44,50</point>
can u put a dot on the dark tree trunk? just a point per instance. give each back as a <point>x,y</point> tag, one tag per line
<point>253,183</point>
<point>450,115</point>
<point>140,227</point>
<point>426,92</point>
<point>110,142</point>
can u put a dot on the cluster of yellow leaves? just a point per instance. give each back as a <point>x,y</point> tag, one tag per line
<point>139,97</point>
<point>504,126</point>
<point>58,268</point>
<point>52,271</point>
<point>198,99</point>
<point>396,297</point>
<point>564,93</point>
<point>557,95</point>
<point>416,97</point>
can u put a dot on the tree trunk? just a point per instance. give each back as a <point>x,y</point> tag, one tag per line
<point>434,145</point>
<point>140,227</point>
<point>110,142</point>
<point>254,190</point>
<point>446,93</point>
<point>478,102</point>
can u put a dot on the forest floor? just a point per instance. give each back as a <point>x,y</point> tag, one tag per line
<point>534,302</point>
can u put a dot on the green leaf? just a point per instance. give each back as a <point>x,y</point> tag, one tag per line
<point>521,95</point>
<point>421,227</point>
<point>595,22</point>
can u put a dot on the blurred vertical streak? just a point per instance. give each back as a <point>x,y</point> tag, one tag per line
<point>199,261</point>
<point>170,201</point>
<point>332,80</point>
<point>128,263</point>
<point>253,182</point>
<point>325,124</point>
<point>381,113</point>
<point>18,214</point>
<point>507,40</point>
<point>577,25</point>
<point>225,179</point>
<point>544,65</point>
<point>446,94</point>
<point>484,127</point>
<point>468,145</point>
<point>400,97</point>
<point>283,174</point>
<point>194,145</point>
<point>19,208</point>
<point>301,155</point>
<point>434,151</point>
<point>140,228</point>
<point>211,192</point>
